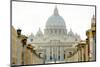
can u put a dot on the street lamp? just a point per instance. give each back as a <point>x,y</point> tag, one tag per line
<point>19,32</point>
<point>23,40</point>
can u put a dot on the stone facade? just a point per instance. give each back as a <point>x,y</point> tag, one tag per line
<point>86,50</point>
<point>22,53</point>
<point>54,42</point>
<point>13,46</point>
<point>91,39</point>
<point>83,51</point>
<point>55,45</point>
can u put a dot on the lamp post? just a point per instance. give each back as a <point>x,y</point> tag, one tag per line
<point>19,32</point>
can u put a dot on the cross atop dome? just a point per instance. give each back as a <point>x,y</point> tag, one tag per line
<point>56,11</point>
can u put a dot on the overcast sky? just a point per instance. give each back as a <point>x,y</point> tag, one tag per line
<point>31,16</point>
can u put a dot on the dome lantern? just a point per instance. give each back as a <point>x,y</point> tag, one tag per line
<point>56,11</point>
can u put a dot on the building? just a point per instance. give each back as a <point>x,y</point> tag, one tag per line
<point>79,54</point>
<point>31,57</point>
<point>91,39</point>
<point>13,46</point>
<point>83,54</point>
<point>86,49</point>
<point>55,43</point>
<point>22,53</point>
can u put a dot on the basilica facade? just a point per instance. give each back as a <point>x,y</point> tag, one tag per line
<point>56,42</point>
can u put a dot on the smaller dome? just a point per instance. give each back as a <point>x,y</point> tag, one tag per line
<point>77,37</point>
<point>30,38</point>
<point>39,33</point>
<point>70,33</point>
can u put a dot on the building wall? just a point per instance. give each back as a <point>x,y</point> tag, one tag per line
<point>13,46</point>
<point>91,42</point>
<point>86,52</point>
<point>73,58</point>
<point>31,57</point>
<point>17,51</point>
<point>91,39</point>
<point>78,55</point>
<point>37,59</point>
<point>83,50</point>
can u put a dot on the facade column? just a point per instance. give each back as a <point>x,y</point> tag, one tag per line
<point>52,57</point>
<point>48,54</point>
<point>24,40</point>
<point>94,43</point>
<point>57,53</point>
<point>19,52</point>
<point>82,53</point>
<point>61,54</point>
<point>29,55</point>
<point>91,45</point>
<point>19,47</point>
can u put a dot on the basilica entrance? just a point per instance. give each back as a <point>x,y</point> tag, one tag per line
<point>54,52</point>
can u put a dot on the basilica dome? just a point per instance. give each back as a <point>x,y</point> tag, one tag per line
<point>55,25</point>
<point>55,21</point>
